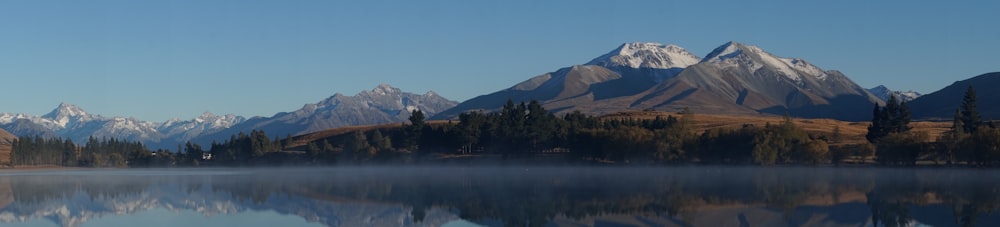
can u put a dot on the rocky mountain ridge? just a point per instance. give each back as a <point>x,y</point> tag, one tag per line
<point>383,104</point>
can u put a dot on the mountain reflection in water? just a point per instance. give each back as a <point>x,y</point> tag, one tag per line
<point>515,196</point>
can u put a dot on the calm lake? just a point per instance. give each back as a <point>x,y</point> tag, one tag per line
<point>502,196</point>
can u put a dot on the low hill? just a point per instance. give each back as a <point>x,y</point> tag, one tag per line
<point>942,104</point>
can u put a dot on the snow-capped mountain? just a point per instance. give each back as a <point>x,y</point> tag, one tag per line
<point>72,122</point>
<point>753,59</point>
<point>380,105</point>
<point>647,55</point>
<point>206,123</point>
<point>67,113</point>
<point>383,104</point>
<point>624,71</point>
<point>883,93</point>
<point>732,79</point>
<point>740,78</point>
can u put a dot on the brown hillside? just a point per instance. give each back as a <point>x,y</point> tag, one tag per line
<point>852,132</point>
<point>5,140</point>
<point>304,139</point>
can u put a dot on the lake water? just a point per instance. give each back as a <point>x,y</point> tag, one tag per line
<point>502,196</point>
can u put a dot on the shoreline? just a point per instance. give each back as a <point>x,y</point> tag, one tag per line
<point>40,168</point>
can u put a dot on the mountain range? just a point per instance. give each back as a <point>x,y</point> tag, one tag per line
<point>734,78</point>
<point>383,104</point>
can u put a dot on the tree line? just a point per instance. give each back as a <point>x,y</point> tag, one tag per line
<point>526,131</point>
<point>107,152</point>
<point>970,141</point>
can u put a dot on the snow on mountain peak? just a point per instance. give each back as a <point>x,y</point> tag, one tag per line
<point>65,110</point>
<point>647,55</point>
<point>206,115</point>
<point>729,50</point>
<point>383,89</point>
<point>883,92</point>
<point>210,120</point>
<point>67,113</point>
<point>754,58</point>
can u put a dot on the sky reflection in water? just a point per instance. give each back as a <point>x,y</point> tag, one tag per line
<point>518,196</point>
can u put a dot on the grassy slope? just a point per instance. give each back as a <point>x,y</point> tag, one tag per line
<point>852,132</point>
<point>301,141</point>
<point>5,139</point>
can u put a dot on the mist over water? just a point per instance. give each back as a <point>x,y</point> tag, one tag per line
<point>503,196</point>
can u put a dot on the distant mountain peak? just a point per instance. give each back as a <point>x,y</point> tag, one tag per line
<point>66,110</point>
<point>883,93</point>
<point>67,113</point>
<point>647,55</point>
<point>733,50</point>
<point>754,58</point>
<point>207,114</point>
<point>728,50</point>
<point>382,90</point>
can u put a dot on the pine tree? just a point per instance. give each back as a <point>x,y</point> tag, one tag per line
<point>357,146</point>
<point>893,118</point>
<point>953,140</point>
<point>193,152</point>
<point>971,120</point>
<point>313,151</point>
<point>327,146</point>
<point>417,118</point>
<point>540,126</point>
<point>890,115</point>
<point>876,129</point>
<point>903,117</point>
<point>412,132</point>
<point>380,142</point>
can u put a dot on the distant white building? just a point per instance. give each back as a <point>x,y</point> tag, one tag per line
<point>206,156</point>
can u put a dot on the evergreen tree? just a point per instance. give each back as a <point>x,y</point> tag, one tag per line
<point>380,142</point>
<point>903,118</point>
<point>193,152</point>
<point>893,118</point>
<point>971,120</point>
<point>875,130</point>
<point>954,138</point>
<point>327,146</point>
<point>412,132</point>
<point>313,151</point>
<point>357,147</point>
<point>417,118</point>
<point>540,126</point>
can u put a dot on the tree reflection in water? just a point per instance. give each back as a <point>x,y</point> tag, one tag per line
<point>522,196</point>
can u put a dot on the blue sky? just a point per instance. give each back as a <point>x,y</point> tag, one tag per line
<point>160,59</point>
